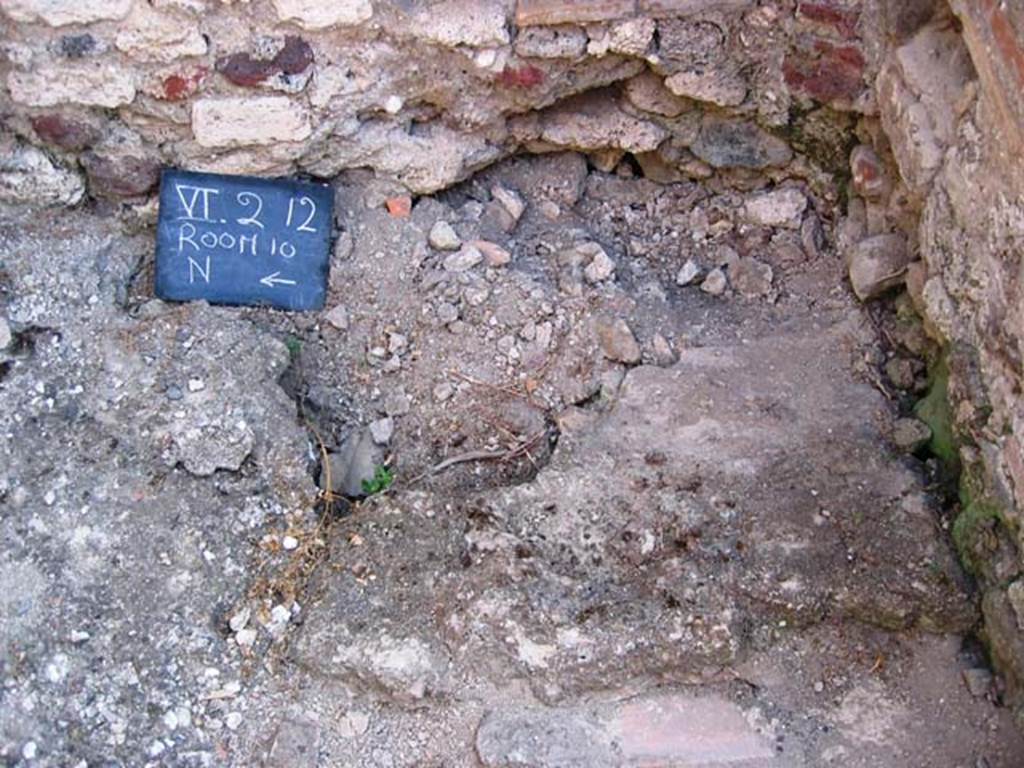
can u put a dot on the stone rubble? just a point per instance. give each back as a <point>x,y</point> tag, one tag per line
<point>631,523</point>
<point>28,176</point>
<point>419,597</point>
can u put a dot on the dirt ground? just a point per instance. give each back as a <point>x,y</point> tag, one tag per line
<point>645,510</point>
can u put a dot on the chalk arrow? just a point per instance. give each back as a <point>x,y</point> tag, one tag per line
<point>272,279</point>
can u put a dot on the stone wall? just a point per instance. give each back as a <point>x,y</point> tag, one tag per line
<point>98,95</point>
<point>952,107</point>
<point>423,92</point>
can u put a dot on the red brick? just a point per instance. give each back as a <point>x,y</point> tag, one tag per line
<point>245,70</point>
<point>295,57</point>
<point>870,178</point>
<point>990,31</point>
<point>180,86</point>
<point>400,207</point>
<point>843,20</point>
<point>242,69</point>
<point>64,132</point>
<point>1008,43</point>
<point>827,73</point>
<point>126,176</point>
<point>521,77</point>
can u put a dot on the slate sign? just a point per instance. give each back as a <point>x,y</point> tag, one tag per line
<point>243,240</point>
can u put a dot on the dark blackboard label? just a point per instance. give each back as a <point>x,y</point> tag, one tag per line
<point>243,240</point>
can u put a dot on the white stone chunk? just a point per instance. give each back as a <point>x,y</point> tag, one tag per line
<point>323,14</point>
<point>261,120</point>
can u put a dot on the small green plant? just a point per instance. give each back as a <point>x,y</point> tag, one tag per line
<point>294,347</point>
<point>382,479</point>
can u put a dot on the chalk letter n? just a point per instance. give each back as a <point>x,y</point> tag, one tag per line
<point>194,266</point>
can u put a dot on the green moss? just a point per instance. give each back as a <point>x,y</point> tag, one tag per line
<point>934,410</point>
<point>905,311</point>
<point>972,485</point>
<point>825,136</point>
<point>975,519</point>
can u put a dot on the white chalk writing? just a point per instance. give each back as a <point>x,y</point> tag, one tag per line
<point>246,198</point>
<point>194,266</point>
<point>304,226</point>
<point>272,279</point>
<point>188,202</point>
<point>238,240</point>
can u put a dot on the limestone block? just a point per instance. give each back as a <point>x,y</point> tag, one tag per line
<point>59,13</point>
<point>149,35</point>
<point>263,120</point>
<point>92,84</point>
<point>317,14</point>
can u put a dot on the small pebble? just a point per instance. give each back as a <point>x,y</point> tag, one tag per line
<point>447,313</point>
<point>397,342</point>
<point>397,404</point>
<point>751,277</point>
<point>443,237</point>
<point>910,435</point>
<point>978,681</point>
<point>689,272</point>
<point>279,614</point>
<point>662,348</point>
<point>494,254</point>
<point>233,720</point>
<point>174,392</point>
<point>443,391</point>
<point>381,430</point>
<point>338,318</point>
<point>5,334</point>
<point>353,724</point>
<point>715,283</point>
<point>485,58</point>
<point>246,637</point>
<point>476,295</point>
<point>239,620</point>
<point>510,201</point>
<point>617,341</point>
<point>600,268</point>
<point>550,210</point>
<point>901,372</point>
<point>463,260</point>
<point>289,542</point>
